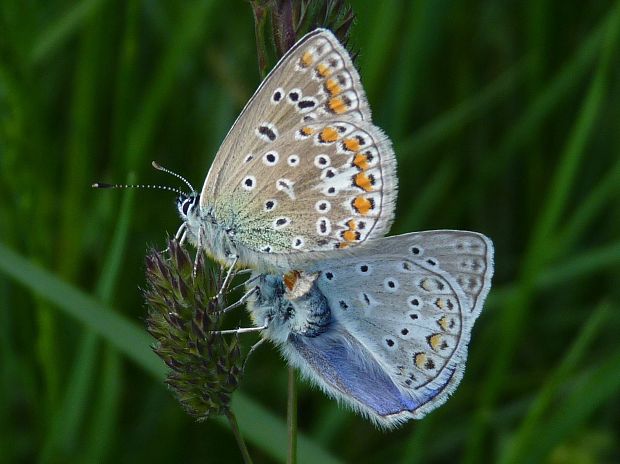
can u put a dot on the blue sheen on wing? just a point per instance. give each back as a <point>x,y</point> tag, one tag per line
<point>345,365</point>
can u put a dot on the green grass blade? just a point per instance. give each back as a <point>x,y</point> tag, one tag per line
<point>584,264</point>
<point>61,30</point>
<point>589,209</point>
<point>527,434</point>
<point>515,312</point>
<point>191,28</point>
<point>596,389</point>
<point>546,101</point>
<point>258,425</point>
<point>450,122</point>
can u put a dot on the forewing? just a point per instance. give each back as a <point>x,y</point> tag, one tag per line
<point>314,80</point>
<point>318,186</point>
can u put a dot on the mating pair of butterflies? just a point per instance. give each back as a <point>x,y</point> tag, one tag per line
<point>303,191</point>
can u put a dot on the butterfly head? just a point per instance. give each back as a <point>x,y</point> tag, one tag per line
<point>187,205</point>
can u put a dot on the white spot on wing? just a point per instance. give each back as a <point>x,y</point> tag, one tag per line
<point>286,186</point>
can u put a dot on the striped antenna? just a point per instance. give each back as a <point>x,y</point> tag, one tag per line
<point>102,185</point>
<point>159,167</point>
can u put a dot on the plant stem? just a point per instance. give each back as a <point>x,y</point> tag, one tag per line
<point>240,442</point>
<point>291,417</point>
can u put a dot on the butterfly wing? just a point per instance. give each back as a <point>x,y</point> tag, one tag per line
<point>466,256</point>
<point>303,169</point>
<point>346,370</point>
<point>323,186</point>
<point>406,313</point>
<point>314,80</point>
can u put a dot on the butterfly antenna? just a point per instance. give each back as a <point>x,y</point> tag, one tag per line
<point>102,185</point>
<point>159,167</point>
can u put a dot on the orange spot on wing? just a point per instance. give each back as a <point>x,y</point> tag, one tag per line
<point>363,181</point>
<point>332,87</point>
<point>361,161</point>
<point>323,70</point>
<point>290,279</point>
<point>362,205</point>
<point>306,59</point>
<point>307,130</point>
<point>352,144</point>
<point>419,359</point>
<point>435,341</point>
<point>329,134</point>
<point>337,105</point>
<point>350,235</point>
<point>443,323</point>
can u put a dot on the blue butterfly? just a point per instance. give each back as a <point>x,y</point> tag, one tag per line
<point>383,328</point>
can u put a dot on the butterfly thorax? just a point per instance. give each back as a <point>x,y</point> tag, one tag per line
<point>307,313</point>
<point>208,229</point>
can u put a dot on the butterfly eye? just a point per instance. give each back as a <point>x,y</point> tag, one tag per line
<point>186,205</point>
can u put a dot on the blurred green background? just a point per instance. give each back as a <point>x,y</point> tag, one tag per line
<point>505,118</point>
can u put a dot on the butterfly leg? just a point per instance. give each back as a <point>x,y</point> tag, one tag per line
<point>229,276</point>
<point>252,350</point>
<point>199,249</point>
<point>180,237</point>
<point>181,233</point>
<point>249,281</point>
<point>243,330</point>
<point>241,301</point>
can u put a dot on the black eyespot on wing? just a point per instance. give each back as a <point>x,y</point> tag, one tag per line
<point>267,132</point>
<point>304,104</point>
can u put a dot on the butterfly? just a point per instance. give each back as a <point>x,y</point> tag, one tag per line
<point>302,191</point>
<point>302,170</point>
<point>384,327</point>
